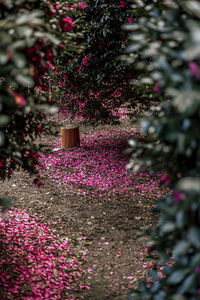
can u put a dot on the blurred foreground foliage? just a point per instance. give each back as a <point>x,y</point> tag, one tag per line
<point>168,37</point>
<point>27,46</point>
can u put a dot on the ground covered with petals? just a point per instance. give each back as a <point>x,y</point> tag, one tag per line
<point>88,201</point>
<point>35,263</point>
<point>98,167</point>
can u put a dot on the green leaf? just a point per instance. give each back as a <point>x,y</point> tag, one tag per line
<point>19,60</point>
<point>2,138</point>
<point>176,277</point>
<point>6,202</point>
<point>187,284</point>
<point>4,120</point>
<point>25,80</point>
<point>194,236</point>
<point>189,184</point>
<point>181,248</point>
<point>168,227</point>
<point>3,57</point>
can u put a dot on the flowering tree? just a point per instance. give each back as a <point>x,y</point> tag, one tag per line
<point>168,36</point>
<point>95,83</point>
<point>24,56</point>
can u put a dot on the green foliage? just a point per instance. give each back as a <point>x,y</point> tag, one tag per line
<point>72,36</point>
<point>25,53</point>
<point>167,36</point>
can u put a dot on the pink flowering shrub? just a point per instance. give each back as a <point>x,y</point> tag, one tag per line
<point>40,264</point>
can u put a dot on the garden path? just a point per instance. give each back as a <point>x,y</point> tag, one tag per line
<point>101,230</point>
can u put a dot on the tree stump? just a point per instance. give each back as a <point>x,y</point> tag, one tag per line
<point>70,137</point>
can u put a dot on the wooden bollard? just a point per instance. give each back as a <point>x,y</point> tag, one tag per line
<point>70,137</point>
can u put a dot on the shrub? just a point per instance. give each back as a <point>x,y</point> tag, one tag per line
<point>24,56</point>
<point>168,36</point>
<point>95,83</point>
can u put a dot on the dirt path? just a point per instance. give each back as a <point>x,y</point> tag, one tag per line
<point>105,231</point>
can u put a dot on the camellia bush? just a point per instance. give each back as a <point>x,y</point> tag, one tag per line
<point>168,37</point>
<point>26,51</point>
<point>95,83</point>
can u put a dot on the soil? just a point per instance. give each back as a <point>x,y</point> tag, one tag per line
<point>104,230</point>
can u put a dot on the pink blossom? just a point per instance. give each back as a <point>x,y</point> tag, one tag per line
<point>177,197</point>
<point>156,89</point>
<point>57,6</point>
<point>1,164</point>
<point>84,7</point>
<point>84,287</point>
<point>165,179</point>
<point>194,70</point>
<point>90,270</point>
<point>19,99</point>
<point>66,24</point>
<point>130,277</point>
<point>79,69</point>
<point>130,20</point>
<point>122,4</point>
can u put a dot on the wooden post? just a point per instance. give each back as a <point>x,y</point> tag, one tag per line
<point>70,137</point>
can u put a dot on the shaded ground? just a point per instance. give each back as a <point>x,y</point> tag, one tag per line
<point>103,231</point>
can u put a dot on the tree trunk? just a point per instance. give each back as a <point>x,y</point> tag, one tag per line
<point>70,137</point>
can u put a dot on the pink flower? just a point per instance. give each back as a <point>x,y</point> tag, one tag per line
<point>57,6</point>
<point>19,99</point>
<point>177,197</point>
<point>49,55</point>
<point>130,20</point>
<point>66,24</point>
<point>165,179</point>
<point>79,69</point>
<point>1,164</point>
<point>67,8</point>
<point>80,4</point>
<point>122,4</point>
<point>90,270</point>
<point>156,89</point>
<point>84,287</point>
<point>83,7</point>
<point>194,70</point>
<point>61,83</point>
